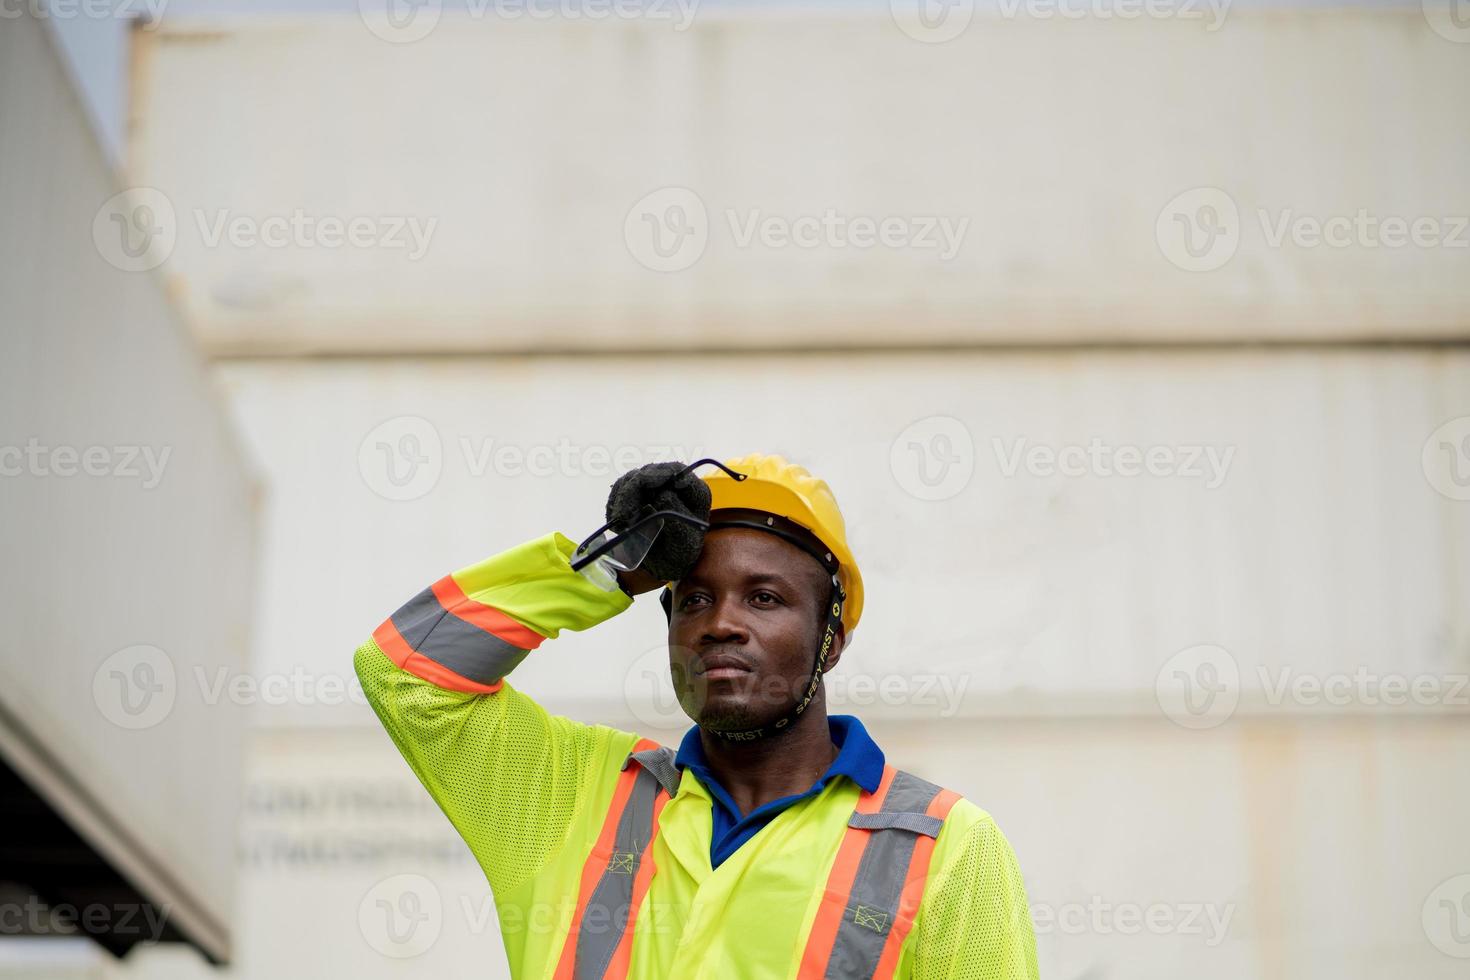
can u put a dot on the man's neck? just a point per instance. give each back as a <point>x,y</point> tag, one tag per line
<point>755,773</point>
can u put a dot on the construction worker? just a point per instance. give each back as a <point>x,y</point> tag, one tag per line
<point>776,841</point>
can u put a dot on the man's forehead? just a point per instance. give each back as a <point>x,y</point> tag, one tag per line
<point>751,554</point>
<point>742,545</point>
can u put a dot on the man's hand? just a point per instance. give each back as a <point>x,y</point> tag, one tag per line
<point>654,487</point>
<point>638,582</point>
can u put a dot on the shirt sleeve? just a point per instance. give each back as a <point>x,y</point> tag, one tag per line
<point>974,922</point>
<point>506,773</point>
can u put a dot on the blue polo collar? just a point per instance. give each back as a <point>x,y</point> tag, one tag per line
<point>858,757</point>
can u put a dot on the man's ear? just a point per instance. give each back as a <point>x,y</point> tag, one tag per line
<point>835,654</point>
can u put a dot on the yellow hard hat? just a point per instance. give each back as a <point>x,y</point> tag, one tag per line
<point>775,486</point>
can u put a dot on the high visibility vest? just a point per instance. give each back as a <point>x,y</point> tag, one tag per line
<point>868,906</point>
<point>597,848</point>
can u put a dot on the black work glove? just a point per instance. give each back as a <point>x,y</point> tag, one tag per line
<point>637,493</point>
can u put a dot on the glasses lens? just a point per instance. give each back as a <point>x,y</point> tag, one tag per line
<point>629,549</point>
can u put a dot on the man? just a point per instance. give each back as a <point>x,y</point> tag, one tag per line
<point>777,842</point>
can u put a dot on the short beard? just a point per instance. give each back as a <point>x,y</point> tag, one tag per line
<point>775,697</point>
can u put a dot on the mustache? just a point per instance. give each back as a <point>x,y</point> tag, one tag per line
<point>721,655</point>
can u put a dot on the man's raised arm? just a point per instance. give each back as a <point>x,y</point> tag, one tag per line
<point>508,774</point>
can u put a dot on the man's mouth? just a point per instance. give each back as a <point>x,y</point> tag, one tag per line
<point>719,666</point>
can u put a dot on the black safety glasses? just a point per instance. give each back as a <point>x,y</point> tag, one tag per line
<point>626,549</point>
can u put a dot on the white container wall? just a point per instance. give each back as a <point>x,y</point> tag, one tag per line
<point>127,525</point>
<point>816,179</point>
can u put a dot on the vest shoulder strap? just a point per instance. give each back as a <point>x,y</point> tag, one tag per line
<point>658,760</point>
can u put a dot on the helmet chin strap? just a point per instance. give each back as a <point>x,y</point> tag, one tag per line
<point>835,599</point>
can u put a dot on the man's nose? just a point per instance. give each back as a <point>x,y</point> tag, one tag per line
<point>726,623</point>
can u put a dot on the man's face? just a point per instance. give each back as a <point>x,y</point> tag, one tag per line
<point>744,630</point>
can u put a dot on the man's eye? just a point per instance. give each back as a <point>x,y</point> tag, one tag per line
<point>688,599</point>
<point>766,597</point>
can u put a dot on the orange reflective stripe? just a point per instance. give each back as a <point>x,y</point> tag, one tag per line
<point>823,936</point>
<point>488,618</point>
<point>392,643</point>
<point>913,888</point>
<point>623,956</point>
<point>877,880</point>
<point>598,860</point>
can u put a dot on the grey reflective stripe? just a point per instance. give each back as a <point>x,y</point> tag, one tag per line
<point>463,647</point>
<point>909,793</point>
<point>417,617</point>
<point>610,905</point>
<point>919,823</point>
<point>660,762</point>
<point>881,873</point>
